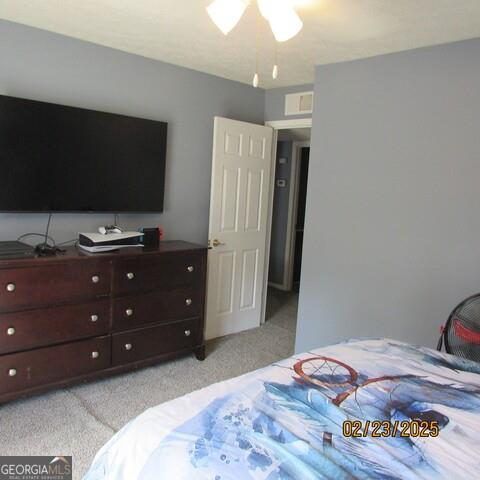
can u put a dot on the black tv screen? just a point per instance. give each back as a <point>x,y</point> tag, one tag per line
<point>55,158</point>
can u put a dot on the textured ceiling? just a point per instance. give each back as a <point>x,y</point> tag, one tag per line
<point>180,32</point>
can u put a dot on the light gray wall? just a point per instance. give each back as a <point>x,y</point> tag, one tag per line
<point>275,102</point>
<point>392,234</point>
<point>49,67</point>
<point>280,213</point>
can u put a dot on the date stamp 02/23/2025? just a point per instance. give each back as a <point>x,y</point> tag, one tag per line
<point>386,428</point>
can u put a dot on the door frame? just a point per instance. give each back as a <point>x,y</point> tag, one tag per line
<point>289,256</point>
<point>276,125</point>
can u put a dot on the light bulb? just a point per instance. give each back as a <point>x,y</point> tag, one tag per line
<point>227,13</point>
<point>285,23</point>
<point>267,7</point>
<point>255,80</point>
<point>275,72</point>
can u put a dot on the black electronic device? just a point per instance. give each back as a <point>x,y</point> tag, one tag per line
<point>15,249</point>
<point>56,158</point>
<point>151,237</point>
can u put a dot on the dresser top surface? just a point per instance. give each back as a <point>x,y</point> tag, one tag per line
<point>75,254</point>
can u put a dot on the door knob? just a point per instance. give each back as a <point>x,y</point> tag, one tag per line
<point>217,243</point>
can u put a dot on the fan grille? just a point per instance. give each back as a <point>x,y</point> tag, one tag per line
<point>462,335</point>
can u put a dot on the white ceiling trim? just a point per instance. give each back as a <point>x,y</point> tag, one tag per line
<point>291,123</point>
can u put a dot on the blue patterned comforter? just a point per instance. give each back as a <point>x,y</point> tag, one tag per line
<point>287,421</point>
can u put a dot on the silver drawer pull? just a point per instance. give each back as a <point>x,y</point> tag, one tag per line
<point>12,372</point>
<point>95,354</point>
<point>188,333</point>
<point>94,317</point>
<point>128,346</point>
<point>190,268</point>
<point>129,312</point>
<point>130,275</point>
<point>10,331</point>
<point>188,301</point>
<point>95,279</point>
<point>11,287</point>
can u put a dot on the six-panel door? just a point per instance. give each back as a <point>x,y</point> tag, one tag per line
<point>238,225</point>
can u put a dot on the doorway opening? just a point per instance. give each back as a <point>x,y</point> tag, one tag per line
<point>287,225</point>
<point>244,190</point>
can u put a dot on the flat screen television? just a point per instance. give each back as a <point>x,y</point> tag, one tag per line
<point>55,158</point>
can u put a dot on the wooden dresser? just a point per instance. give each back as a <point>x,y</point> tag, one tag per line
<point>78,316</point>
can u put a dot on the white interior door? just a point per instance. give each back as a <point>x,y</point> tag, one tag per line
<point>240,194</point>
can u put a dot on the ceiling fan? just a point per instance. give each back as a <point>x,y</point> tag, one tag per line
<point>280,14</point>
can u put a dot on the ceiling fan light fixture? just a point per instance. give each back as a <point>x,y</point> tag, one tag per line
<point>285,23</point>
<point>227,13</point>
<point>267,7</point>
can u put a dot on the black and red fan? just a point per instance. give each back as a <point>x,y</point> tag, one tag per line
<point>461,333</point>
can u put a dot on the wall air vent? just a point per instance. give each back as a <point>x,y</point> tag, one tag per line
<point>298,103</point>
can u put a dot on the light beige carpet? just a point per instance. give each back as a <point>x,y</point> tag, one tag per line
<point>79,420</point>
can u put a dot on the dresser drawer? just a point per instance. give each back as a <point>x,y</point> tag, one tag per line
<point>52,284</point>
<point>138,310</point>
<point>148,342</point>
<point>37,328</point>
<point>158,272</point>
<point>20,371</point>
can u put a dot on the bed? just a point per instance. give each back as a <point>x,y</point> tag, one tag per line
<point>363,409</point>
